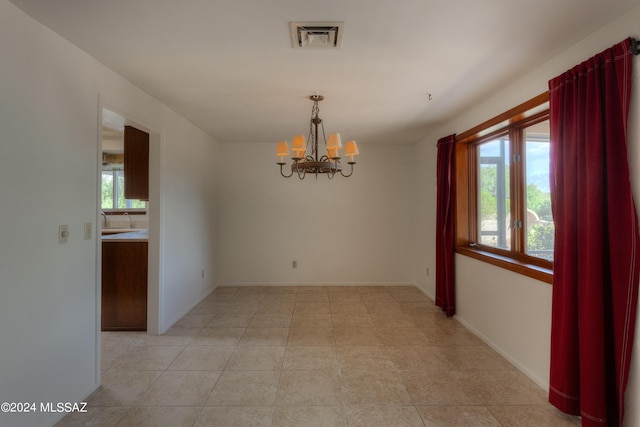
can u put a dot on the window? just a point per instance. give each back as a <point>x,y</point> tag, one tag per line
<point>538,219</point>
<point>113,192</point>
<point>493,192</point>
<point>503,195</point>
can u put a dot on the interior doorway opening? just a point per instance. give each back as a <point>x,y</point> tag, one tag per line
<point>129,215</point>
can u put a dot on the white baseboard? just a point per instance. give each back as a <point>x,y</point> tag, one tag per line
<point>320,284</point>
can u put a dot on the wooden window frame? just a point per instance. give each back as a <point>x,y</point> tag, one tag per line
<point>528,113</point>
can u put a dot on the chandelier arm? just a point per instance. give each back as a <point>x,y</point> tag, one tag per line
<point>282,173</point>
<point>350,172</point>
<point>302,174</point>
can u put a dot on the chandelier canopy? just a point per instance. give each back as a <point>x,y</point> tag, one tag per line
<point>314,163</point>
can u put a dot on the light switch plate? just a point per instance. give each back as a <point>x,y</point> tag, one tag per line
<point>87,230</point>
<point>63,233</point>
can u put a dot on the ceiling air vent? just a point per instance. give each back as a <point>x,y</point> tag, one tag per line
<point>317,35</point>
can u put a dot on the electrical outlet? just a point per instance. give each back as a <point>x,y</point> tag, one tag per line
<point>294,264</point>
<point>88,228</point>
<point>202,274</point>
<point>427,271</point>
<point>63,233</point>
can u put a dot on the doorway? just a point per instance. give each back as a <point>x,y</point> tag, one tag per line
<point>132,216</point>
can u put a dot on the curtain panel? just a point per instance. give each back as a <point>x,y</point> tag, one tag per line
<point>596,260</point>
<point>445,279</point>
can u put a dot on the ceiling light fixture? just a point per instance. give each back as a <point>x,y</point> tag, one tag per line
<point>314,163</point>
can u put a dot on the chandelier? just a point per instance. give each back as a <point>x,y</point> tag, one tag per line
<point>314,163</point>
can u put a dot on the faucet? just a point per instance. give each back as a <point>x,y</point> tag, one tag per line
<point>131,222</point>
<point>104,222</point>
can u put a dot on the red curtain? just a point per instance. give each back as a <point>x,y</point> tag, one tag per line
<point>596,261</point>
<point>445,281</point>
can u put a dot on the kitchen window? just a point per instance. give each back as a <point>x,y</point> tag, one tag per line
<point>113,192</point>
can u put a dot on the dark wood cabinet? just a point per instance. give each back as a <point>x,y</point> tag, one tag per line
<point>124,286</point>
<point>136,164</point>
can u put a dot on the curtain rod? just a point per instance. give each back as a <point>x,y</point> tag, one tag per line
<point>635,46</point>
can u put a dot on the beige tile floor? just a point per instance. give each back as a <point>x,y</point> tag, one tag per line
<point>312,356</point>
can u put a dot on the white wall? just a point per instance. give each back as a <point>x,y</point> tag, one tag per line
<point>424,232</point>
<point>189,213</point>
<point>510,311</point>
<point>47,177</point>
<point>340,231</point>
<point>50,97</point>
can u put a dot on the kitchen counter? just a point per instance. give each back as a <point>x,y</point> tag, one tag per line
<point>132,236</point>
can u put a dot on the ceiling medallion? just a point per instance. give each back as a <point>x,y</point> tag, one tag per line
<point>315,164</point>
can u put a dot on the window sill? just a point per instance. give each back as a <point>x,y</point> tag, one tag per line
<point>518,266</point>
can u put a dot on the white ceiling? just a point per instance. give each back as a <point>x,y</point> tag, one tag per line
<point>230,68</point>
